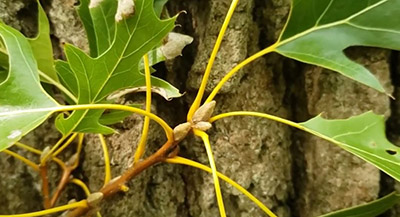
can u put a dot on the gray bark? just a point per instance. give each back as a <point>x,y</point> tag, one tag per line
<point>293,173</point>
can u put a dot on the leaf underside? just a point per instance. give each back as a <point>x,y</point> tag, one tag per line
<point>318,31</point>
<point>21,91</point>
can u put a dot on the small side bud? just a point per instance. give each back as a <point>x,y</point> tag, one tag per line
<point>202,125</point>
<point>126,8</point>
<point>113,180</point>
<point>124,188</point>
<point>94,199</point>
<point>45,152</point>
<point>181,131</point>
<point>204,112</point>
<point>71,201</point>
<point>71,161</point>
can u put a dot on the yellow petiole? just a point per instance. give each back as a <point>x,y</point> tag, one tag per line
<point>59,86</point>
<point>278,119</point>
<point>29,148</point>
<point>84,188</point>
<point>23,159</point>
<point>237,68</point>
<point>63,108</point>
<point>200,93</point>
<point>38,152</point>
<point>78,149</point>
<point>65,145</point>
<point>256,114</point>
<point>48,154</point>
<point>82,185</point>
<point>142,144</point>
<point>82,203</point>
<point>107,167</point>
<point>206,141</point>
<point>168,130</point>
<point>184,161</point>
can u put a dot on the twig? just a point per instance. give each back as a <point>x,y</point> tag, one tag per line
<point>166,151</point>
<point>45,186</point>
<point>61,185</point>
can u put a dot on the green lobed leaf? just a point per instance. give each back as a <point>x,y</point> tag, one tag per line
<point>42,47</point>
<point>371,209</point>
<point>117,67</point>
<point>84,15</point>
<point>158,6</point>
<point>21,91</point>
<point>362,135</point>
<point>318,31</point>
<point>85,121</point>
<point>67,76</point>
<point>103,17</point>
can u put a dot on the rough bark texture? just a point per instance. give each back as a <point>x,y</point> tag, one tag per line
<point>334,178</point>
<point>292,173</point>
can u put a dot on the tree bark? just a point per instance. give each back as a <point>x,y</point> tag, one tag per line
<point>293,173</point>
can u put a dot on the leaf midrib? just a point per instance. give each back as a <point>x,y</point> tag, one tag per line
<point>122,55</point>
<point>29,66</point>
<point>316,28</point>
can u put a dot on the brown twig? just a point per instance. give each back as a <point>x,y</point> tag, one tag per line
<point>67,169</point>
<point>45,186</point>
<point>167,150</point>
<point>61,185</point>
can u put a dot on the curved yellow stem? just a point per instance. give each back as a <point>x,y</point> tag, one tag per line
<point>107,167</point>
<point>63,108</point>
<point>142,144</point>
<point>237,68</point>
<point>79,149</point>
<point>60,163</point>
<point>256,114</point>
<point>82,185</point>
<point>82,203</point>
<point>206,141</point>
<point>59,86</point>
<point>184,161</point>
<point>29,148</point>
<point>38,152</point>
<point>19,157</point>
<point>200,93</point>
<point>47,155</point>
<point>84,188</point>
<point>168,130</point>
<point>65,145</point>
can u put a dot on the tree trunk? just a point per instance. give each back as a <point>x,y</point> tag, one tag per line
<point>292,173</point>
